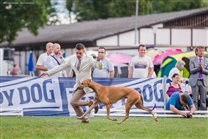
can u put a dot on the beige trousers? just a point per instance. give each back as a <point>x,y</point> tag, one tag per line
<point>76,102</point>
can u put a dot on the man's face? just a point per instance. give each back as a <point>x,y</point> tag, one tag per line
<point>142,51</point>
<point>200,52</point>
<point>181,101</point>
<point>101,53</point>
<point>57,49</point>
<point>49,48</point>
<point>80,53</point>
<point>180,67</point>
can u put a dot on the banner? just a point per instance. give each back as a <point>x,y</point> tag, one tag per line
<point>51,96</point>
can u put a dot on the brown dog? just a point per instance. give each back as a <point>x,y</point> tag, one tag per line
<point>111,94</point>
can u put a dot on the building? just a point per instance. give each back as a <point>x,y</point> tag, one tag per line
<point>166,30</point>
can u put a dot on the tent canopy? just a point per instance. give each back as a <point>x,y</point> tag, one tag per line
<point>170,62</point>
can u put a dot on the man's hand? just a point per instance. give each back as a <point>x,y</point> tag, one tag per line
<point>44,74</point>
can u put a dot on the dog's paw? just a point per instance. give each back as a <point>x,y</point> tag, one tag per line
<point>114,119</point>
<point>119,123</point>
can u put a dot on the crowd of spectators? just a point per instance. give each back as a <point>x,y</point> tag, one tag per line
<point>181,94</point>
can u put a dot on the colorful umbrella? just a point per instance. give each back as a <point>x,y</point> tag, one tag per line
<point>119,58</point>
<point>160,57</point>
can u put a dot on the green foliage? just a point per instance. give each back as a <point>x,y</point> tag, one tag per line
<point>102,9</point>
<point>101,128</point>
<point>96,9</point>
<point>91,9</point>
<point>175,5</point>
<point>16,14</point>
<point>69,5</point>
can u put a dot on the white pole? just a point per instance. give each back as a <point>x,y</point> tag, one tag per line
<point>136,23</point>
<point>164,91</point>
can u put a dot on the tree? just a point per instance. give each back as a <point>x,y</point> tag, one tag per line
<point>96,9</point>
<point>175,5</point>
<point>102,9</point>
<point>69,6</point>
<point>14,15</point>
<point>91,9</point>
<point>119,8</point>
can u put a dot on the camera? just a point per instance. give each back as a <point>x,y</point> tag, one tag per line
<point>189,115</point>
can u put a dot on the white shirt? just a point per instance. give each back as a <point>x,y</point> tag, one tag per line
<point>87,63</point>
<point>200,58</point>
<point>51,63</point>
<point>173,71</point>
<point>103,68</point>
<point>140,66</point>
<point>42,60</point>
<point>186,88</point>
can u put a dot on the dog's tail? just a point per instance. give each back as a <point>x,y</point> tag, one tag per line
<point>153,107</point>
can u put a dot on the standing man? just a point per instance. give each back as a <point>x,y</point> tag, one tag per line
<point>56,59</point>
<point>103,67</point>
<point>199,77</point>
<point>82,66</point>
<point>141,66</point>
<point>41,63</point>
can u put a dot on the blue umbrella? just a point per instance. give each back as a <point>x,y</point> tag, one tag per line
<point>30,63</point>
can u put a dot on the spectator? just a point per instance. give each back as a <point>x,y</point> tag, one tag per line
<point>174,86</point>
<point>103,67</point>
<point>141,66</point>
<point>199,77</point>
<point>82,66</point>
<point>15,70</point>
<point>61,56</point>
<point>178,102</point>
<point>177,69</point>
<point>56,59</point>
<point>41,63</point>
<point>187,88</point>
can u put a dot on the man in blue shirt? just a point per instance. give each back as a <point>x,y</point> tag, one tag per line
<point>177,102</point>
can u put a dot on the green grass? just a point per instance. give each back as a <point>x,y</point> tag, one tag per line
<point>101,128</point>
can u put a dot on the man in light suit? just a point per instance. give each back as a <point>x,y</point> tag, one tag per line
<point>82,66</point>
<point>199,77</point>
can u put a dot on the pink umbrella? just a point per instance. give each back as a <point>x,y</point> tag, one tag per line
<point>158,59</point>
<point>119,58</point>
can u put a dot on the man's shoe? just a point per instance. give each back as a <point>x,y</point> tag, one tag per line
<point>85,120</point>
